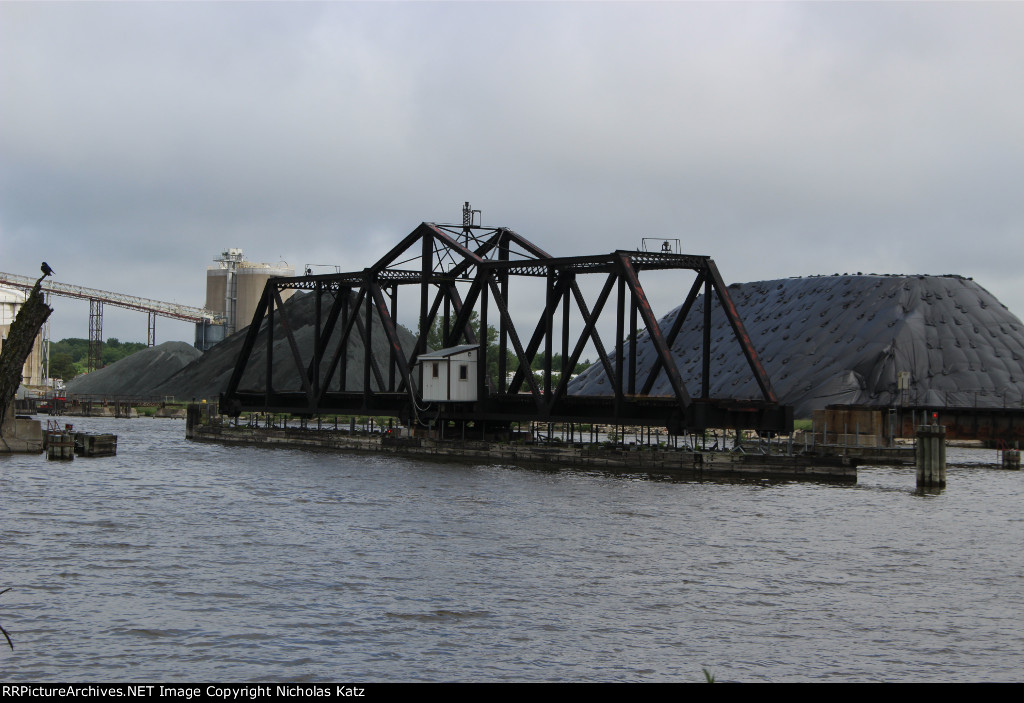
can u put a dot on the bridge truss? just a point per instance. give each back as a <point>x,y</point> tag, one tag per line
<point>459,273</point>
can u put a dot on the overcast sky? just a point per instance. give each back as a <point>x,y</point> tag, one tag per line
<point>139,140</point>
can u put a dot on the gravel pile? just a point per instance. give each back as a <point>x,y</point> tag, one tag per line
<point>844,339</point>
<point>138,374</point>
<point>208,376</point>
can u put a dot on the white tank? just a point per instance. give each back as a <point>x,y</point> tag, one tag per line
<point>234,287</point>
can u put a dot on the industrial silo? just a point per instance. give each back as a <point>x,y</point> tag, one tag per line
<point>234,287</point>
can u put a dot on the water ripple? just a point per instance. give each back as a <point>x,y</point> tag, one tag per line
<point>176,561</point>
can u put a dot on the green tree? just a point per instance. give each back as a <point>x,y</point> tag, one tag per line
<point>78,349</point>
<point>115,350</point>
<point>435,340</point>
<point>62,366</point>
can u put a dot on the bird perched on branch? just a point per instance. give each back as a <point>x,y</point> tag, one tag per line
<point>45,268</point>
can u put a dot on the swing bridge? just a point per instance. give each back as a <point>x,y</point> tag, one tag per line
<point>459,275</point>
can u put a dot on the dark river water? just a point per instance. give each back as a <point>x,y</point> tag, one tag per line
<point>176,561</point>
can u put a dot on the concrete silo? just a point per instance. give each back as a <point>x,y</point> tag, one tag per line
<point>234,287</point>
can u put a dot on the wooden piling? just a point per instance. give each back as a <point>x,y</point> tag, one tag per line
<point>931,456</point>
<point>60,446</point>
<point>1011,459</point>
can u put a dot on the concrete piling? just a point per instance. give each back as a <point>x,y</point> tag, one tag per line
<point>931,456</point>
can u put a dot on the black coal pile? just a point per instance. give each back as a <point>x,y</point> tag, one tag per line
<point>208,376</point>
<point>138,374</point>
<point>848,339</point>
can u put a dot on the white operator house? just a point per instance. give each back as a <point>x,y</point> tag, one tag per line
<point>449,375</point>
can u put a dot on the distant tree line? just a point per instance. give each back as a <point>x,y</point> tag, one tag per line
<point>69,357</point>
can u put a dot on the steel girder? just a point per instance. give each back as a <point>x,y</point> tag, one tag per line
<point>361,304</point>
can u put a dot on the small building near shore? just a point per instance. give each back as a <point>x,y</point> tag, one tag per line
<point>449,375</point>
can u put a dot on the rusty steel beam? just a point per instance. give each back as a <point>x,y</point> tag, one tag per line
<point>499,300</point>
<point>349,316</point>
<point>390,330</point>
<point>290,335</point>
<point>534,344</point>
<point>643,306</point>
<point>746,345</point>
<point>677,326</point>
<point>590,322</point>
<point>247,345</point>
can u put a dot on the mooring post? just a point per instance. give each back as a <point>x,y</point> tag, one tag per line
<point>193,419</point>
<point>1011,459</point>
<point>931,455</point>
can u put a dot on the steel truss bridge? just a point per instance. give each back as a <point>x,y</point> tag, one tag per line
<point>98,298</point>
<point>459,270</point>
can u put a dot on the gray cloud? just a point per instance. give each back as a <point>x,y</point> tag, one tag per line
<point>138,140</point>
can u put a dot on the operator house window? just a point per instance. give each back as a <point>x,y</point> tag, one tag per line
<point>463,372</point>
<point>435,365</point>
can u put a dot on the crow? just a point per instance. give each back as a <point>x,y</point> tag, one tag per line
<point>45,268</point>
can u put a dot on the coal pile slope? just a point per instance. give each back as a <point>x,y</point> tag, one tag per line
<point>208,376</point>
<point>844,339</point>
<point>138,374</point>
